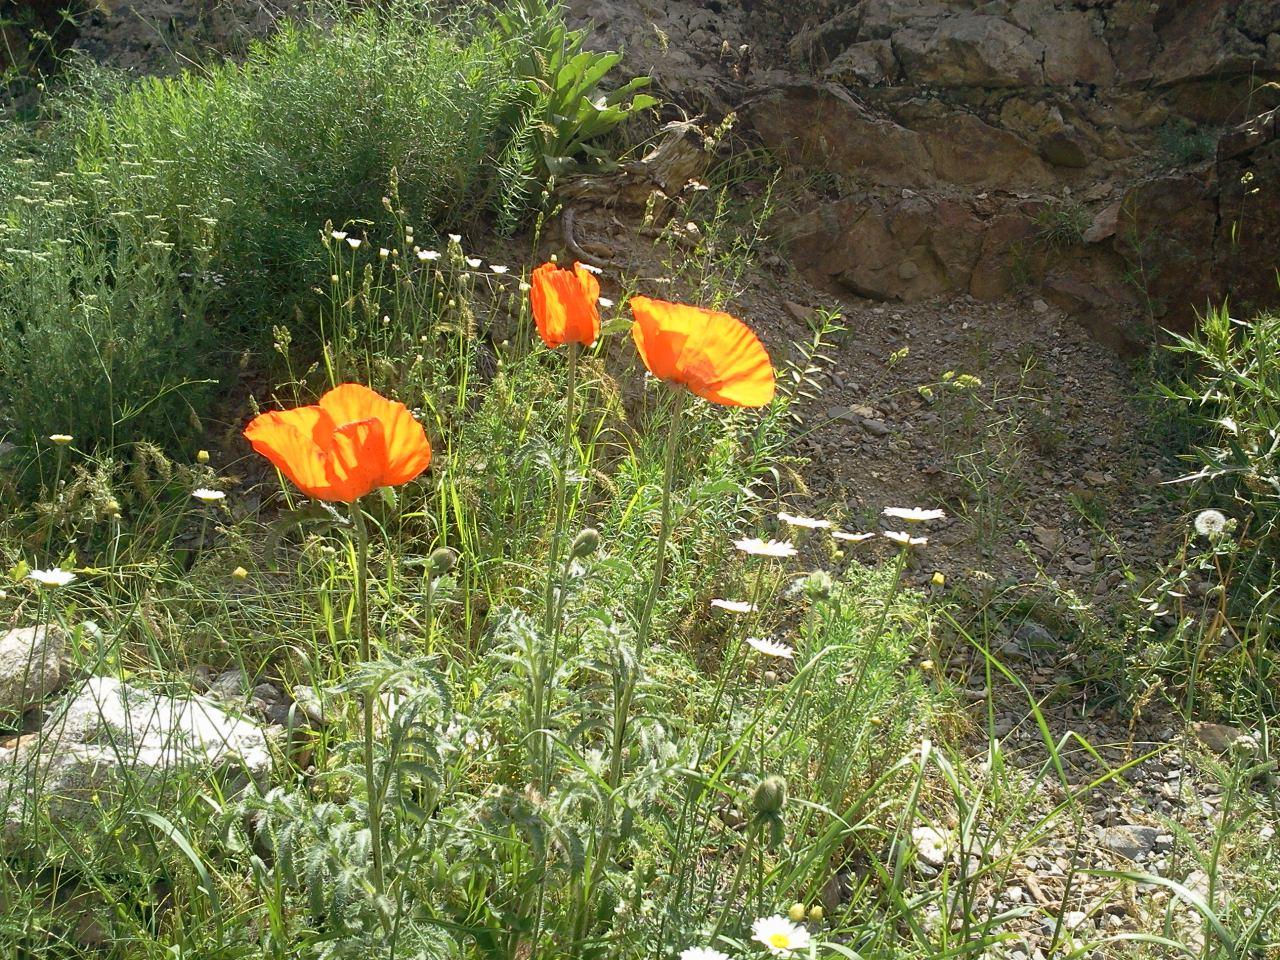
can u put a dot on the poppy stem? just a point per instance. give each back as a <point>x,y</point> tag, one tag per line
<point>373,793</point>
<point>545,668</point>
<point>664,531</point>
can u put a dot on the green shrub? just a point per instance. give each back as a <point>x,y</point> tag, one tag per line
<point>237,167</point>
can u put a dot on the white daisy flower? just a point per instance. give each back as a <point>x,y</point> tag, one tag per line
<point>455,238</point>
<point>851,537</point>
<point>61,439</point>
<point>590,269</point>
<point>338,234</point>
<point>1211,524</point>
<point>498,268</point>
<point>383,253</point>
<point>51,578</point>
<point>770,648</point>
<point>354,242</point>
<point>428,254</point>
<point>780,936</point>
<point>808,523</point>
<point>766,548</point>
<point>702,953</point>
<point>207,495</point>
<point>474,262</point>
<point>734,606</point>
<point>913,514</point>
<point>604,302</point>
<point>905,539</point>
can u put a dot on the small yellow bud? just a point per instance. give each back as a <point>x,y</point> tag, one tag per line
<point>816,913</point>
<point>939,579</point>
<point>796,913</point>
<point>240,573</point>
<point>202,456</point>
<point>926,665</point>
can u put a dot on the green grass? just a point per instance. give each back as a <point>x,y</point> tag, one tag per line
<point>544,792</point>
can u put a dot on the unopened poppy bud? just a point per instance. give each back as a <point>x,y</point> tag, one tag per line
<point>770,796</point>
<point>442,560</point>
<point>240,573</point>
<point>202,456</point>
<point>585,543</point>
<point>816,912</point>
<point>796,913</point>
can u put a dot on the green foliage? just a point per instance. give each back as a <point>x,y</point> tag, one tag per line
<point>1183,144</point>
<point>562,97</point>
<point>1062,223</point>
<point>233,169</point>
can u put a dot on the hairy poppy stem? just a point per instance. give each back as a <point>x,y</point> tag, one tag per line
<point>664,531</point>
<point>374,795</point>
<point>545,668</point>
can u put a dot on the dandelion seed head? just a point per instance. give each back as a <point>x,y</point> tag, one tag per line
<point>1211,524</point>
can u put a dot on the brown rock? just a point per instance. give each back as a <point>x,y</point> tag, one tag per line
<point>971,50</point>
<point>1166,230</point>
<point>823,127</point>
<point>964,150</point>
<point>869,63</point>
<point>1247,252</point>
<point>1065,149</point>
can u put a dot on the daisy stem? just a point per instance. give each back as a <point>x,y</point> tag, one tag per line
<point>374,795</point>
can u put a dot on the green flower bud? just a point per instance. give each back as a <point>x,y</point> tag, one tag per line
<point>585,543</point>
<point>770,796</point>
<point>442,560</point>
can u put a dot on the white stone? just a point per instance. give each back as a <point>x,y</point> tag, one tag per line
<point>31,668</point>
<point>113,741</point>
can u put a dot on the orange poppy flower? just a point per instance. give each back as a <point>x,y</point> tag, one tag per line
<point>350,443</point>
<point>564,304</point>
<point>713,354</point>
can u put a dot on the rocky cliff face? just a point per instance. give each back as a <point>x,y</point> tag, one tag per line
<point>978,147</point>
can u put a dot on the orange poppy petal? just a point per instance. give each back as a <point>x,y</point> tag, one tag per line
<point>288,439</point>
<point>715,355</point>
<point>353,402</point>
<point>406,450</point>
<point>357,460</point>
<point>561,308</point>
<point>660,332</point>
<point>742,371</point>
<point>587,280</point>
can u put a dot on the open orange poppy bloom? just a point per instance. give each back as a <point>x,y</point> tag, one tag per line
<point>713,354</point>
<point>564,304</point>
<point>350,443</point>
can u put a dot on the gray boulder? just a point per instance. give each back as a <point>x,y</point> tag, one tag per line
<point>31,668</point>
<point>113,745</point>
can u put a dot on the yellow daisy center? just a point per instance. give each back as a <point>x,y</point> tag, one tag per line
<point>779,940</point>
